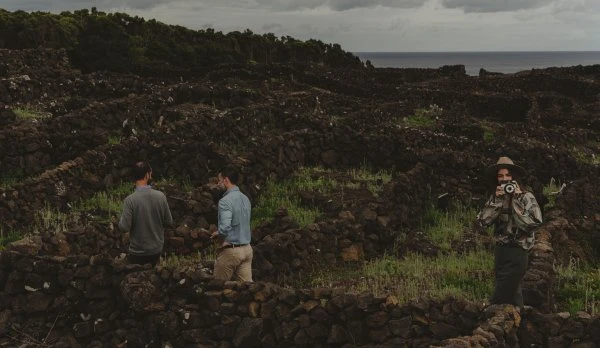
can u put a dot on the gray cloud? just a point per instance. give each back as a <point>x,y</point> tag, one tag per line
<point>272,27</point>
<point>494,5</point>
<point>60,5</point>
<point>337,5</point>
<point>283,5</point>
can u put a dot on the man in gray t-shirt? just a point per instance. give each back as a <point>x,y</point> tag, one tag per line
<point>145,215</point>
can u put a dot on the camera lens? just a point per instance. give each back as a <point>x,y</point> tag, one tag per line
<point>509,188</point>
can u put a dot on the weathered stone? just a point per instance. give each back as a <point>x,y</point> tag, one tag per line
<point>443,330</point>
<point>319,315</point>
<point>301,338</point>
<point>377,319</point>
<point>254,309</point>
<point>352,253</point>
<point>317,330</point>
<point>82,329</point>
<point>4,320</point>
<point>29,245</point>
<point>289,329</point>
<point>573,329</point>
<point>346,215</point>
<point>196,336</point>
<point>337,335</point>
<point>379,335</point>
<point>329,157</point>
<point>142,290</point>
<point>36,302</point>
<point>400,327</point>
<point>247,333</point>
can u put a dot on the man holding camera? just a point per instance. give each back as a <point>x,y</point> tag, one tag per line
<point>515,214</point>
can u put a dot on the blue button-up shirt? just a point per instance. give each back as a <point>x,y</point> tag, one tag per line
<point>234,217</point>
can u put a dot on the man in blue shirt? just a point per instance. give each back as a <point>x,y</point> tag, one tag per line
<point>234,256</point>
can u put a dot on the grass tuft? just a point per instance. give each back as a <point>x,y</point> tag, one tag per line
<point>445,227</point>
<point>467,276</point>
<point>28,113</point>
<point>578,287</point>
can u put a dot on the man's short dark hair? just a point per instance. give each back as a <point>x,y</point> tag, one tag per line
<point>232,174</point>
<point>140,169</point>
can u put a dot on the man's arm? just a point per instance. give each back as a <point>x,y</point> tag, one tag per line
<point>126,219</point>
<point>225,217</point>
<point>167,217</point>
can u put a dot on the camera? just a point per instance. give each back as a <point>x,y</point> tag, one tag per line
<point>509,187</point>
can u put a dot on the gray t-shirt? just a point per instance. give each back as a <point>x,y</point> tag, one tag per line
<point>145,215</point>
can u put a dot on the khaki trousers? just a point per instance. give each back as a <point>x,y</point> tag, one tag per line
<point>234,262</point>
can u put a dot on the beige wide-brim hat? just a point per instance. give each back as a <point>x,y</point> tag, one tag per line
<point>505,162</point>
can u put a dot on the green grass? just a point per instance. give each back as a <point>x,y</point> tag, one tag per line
<point>10,178</point>
<point>28,113</point>
<point>184,183</point>
<point>326,182</point>
<point>283,194</point>
<point>7,237</point>
<point>425,117</point>
<point>468,276</point>
<point>114,140</point>
<point>578,288</point>
<point>109,203</point>
<point>586,155</point>
<point>51,220</point>
<point>550,191</point>
<point>191,261</point>
<point>445,227</point>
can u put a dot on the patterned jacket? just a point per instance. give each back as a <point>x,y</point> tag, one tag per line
<point>515,218</point>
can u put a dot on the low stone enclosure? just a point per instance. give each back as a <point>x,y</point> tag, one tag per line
<point>70,287</point>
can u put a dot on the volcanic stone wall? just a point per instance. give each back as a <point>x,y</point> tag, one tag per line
<point>99,301</point>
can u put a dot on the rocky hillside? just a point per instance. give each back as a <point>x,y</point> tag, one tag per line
<point>67,135</point>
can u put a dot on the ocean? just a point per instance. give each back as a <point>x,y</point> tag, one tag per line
<point>503,62</point>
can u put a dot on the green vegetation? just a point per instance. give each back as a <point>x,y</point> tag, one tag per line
<point>191,261</point>
<point>425,117</point>
<point>184,183</point>
<point>468,275</point>
<point>284,194</point>
<point>114,140</point>
<point>445,227</point>
<point>550,191</point>
<point>578,288</point>
<point>586,155</point>
<point>488,131</point>
<point>95,40</point>
<point>8,179</point>
<point>319,180</point>
<point>26,113</point>
<point>51,220</point>
<point>108,202</point>
<point>7,237</point>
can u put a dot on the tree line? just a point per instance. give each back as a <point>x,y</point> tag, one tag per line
<point>95,40</point>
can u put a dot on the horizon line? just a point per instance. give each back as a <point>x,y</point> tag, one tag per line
<point>535,51</point>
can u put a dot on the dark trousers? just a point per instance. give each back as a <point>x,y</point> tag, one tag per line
<point>510,266</point>
<point>143,259</point>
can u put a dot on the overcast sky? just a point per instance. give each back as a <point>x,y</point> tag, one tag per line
<point>377,25</point>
